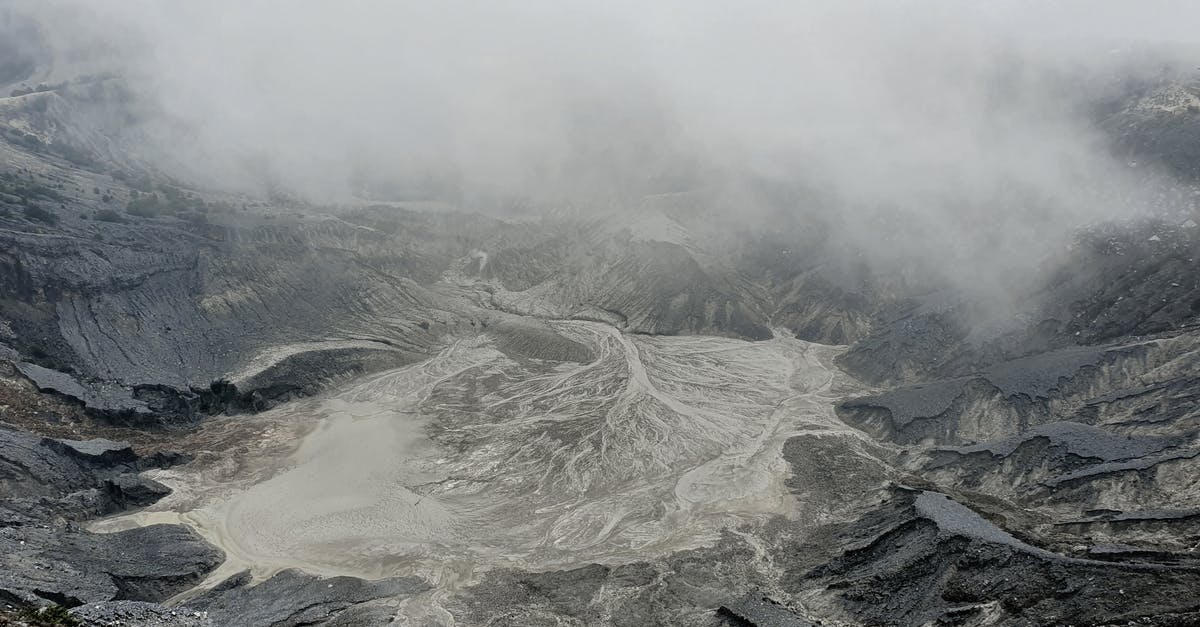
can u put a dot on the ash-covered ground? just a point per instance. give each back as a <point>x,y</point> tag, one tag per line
<point>476,459</point>
<point>218,409</point>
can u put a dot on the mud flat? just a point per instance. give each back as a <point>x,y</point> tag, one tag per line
<point>475,459</point>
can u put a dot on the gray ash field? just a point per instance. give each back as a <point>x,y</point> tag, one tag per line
<point>706,396</point>
<point>476,459</point>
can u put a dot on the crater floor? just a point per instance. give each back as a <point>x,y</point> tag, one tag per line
<point>475,459</point>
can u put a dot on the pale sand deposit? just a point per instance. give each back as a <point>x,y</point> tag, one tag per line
<point>474,459</point>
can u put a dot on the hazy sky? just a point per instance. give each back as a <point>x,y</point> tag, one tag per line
<point>945,117</point>
<point>529,94</point>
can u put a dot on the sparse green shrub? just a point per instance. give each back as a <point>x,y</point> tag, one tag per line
<point>166,200</point>
<point>23,139</point>
<point>144,206</point>
<point>38,214</point>
<point>74,154</point>
<point>108,215</point>
<point>28,189</point>
<point>51,615</point>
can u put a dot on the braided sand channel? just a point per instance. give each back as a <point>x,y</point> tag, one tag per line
<point>473,459</point>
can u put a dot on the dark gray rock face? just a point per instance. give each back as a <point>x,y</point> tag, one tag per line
<point>49,380</point>
<point>1158,124</point>
<point>96,452</point>
<point>292,598</point>
<point>532,340</point>
<point>71,567</point>
<point>1075,439</point>
<point>139,324</point>
<point>926,558</point>
<point>74,480</point>
<point>31,465</point>
<point>921,558</point>
<point>655,287</point>
<point>892,412</point>
<point>685,589</point>
<point>46,485</point>
<point>1057,462</point>
<point>176,311</point>
<point>102,398</point>
<point>760,611</point>
<point>1075,431</point>
<point>138,613</point>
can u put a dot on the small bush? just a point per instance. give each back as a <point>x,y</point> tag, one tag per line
<point>51,615</point>
<point>144,206</point>
<point>28,189</point>
<point>166,200</point>
<point>74,154</point>
<point>38,214</point>
<point>108,215</point>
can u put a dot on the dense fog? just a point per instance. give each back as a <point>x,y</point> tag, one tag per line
<point>959,135</point>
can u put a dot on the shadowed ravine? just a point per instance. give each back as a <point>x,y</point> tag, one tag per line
<point>474,459</point>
